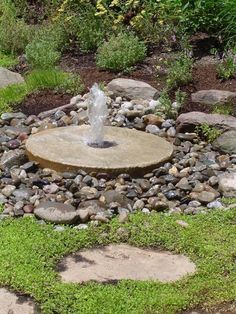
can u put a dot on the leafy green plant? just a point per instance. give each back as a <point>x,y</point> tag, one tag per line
<point>14,33</point>
<point>226,109</point>
<point>166,105</point>
<point>208,132</point>
<point>121,52</point>
<point>179,71</point>
<point>200,15</point>
<point>7,61</point>
<point>42,54</point>
<point>227,68</point>
<point>180,97</point>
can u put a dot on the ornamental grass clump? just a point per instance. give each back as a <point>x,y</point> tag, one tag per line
<point>121,53</point>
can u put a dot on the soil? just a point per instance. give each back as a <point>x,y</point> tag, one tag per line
<point>43,101</point>
<point>85,66</point>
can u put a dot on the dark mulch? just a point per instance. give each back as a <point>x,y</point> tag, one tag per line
<point>43,101</point>
<point>85,65</point>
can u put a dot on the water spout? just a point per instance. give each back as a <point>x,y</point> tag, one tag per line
<point>97,114</point>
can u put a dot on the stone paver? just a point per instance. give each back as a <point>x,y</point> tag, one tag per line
<point>116,262</point>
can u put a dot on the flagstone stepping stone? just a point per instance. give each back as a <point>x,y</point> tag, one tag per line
<point>117,262</point>
<point>11,303</point>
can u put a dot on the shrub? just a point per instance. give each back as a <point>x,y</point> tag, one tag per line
<point>227,69</point>
<point>179,71</point>
<point>42,54</point>
<point>121,52</point>
<point>14,33</point>
<point>91,31</point>
<point>45,50</point>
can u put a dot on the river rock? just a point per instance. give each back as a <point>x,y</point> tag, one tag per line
<point>88,193</point>
<point>183,184</point>
<point>23,194</point>
<point>8,78</point>
<point>58,213</point>
<point>12,115</point>
<point>153,120</point>
<point>83,214</point>
<point>12,158</point>
<point>132,89</point>
<point>212,97</point>
<point>227,184</point>
<point>94,206</point>
<point>226,142</point>
<point>114,196</point>
<point>204,197</point>
<point>192,119</point>
<point>8,190</point>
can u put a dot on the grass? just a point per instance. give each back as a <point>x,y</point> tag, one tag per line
<point>226,109</point>
<point>39,80</point>
<point>30,251</point>
<point>7,61</point>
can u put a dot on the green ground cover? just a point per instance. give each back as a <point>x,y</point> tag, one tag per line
<point>30,252</point>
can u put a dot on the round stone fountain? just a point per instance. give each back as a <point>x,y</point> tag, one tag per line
<point>96,148</point>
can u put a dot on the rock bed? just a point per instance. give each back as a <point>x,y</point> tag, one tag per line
<point>193,181</point>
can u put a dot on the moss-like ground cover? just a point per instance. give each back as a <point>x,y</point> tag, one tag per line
<point>30,252</point>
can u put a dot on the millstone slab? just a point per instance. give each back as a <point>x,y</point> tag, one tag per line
<point>65,149</point>
<point>117,262</point>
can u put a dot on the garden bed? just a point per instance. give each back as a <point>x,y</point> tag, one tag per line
<point>43,101</point>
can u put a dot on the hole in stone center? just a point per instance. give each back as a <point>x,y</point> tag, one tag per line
<point>104,144</point>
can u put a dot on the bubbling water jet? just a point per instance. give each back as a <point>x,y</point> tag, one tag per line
<point>97,114</point>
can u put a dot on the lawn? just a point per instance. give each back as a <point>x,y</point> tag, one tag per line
<point>30,252</point>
